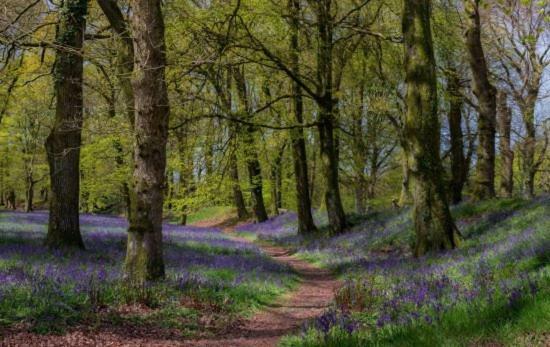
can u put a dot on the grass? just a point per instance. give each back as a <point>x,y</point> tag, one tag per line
<point>209,213</point>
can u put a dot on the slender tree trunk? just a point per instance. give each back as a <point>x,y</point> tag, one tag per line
<point>64,140</point>
<point>433,224</point>
<point>277,180</point>
<point>144,257</point>
<point>458,172</point>
<point>405,197</point>
<point>484,181</point>
<point>125,53</point>
<point>528,146</point>
<point>125,68</point>
<point>29,193</point>
<point>329,158</point>
<point>504,118</point>
<point>238,198</point>
<point>360,150</point>
<point>299,153</point>
<point>251,153</point>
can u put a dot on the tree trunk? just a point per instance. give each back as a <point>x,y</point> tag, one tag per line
<point>251,152</point>
<point>433,224</point>
<point>405,197</point>
<point>504,118</point>
<point>29,193</point>
<point>125,53</point>
<point>458,162</point>
<point>64,140</point>
<point>528,146</point>
<point>125,68</point>
<point>329,159</point>
<point>484,181</point>
<point>277,180</point>
<point>299,153</point>
<point>238,198</point>
<point>144,258</point>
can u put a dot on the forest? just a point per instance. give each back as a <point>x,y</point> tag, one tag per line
<point>274,173</point>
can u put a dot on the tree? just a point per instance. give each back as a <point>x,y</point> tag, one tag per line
<point>299,152</point>
<point>144,256</point>
<point>485,92</point>
<point>522,48</point>
<point>63,143</point>
<point>433,224</point>
<point>504,122</point>
<point>459,168</point>
<point>250,150</point>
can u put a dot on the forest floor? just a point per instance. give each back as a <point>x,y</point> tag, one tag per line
<point>231,284</point>
<point>287,315</point>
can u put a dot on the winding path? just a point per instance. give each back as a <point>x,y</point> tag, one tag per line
<point>313,295</point>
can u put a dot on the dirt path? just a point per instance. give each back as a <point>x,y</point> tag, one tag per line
<point>312,296</point>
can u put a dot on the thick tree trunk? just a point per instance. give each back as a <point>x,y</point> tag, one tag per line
<point>433,224</point>
<point>299,153</point>
<point>504,118</point>
<point>64,140</point>
<point>329,157</point>
<point>458,161</point>
<point>251,152</point>
<point>484,180</point>
<point>144,258</point>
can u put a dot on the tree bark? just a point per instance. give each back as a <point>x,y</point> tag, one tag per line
<point>433,224</point>
<point>484,180</point>
<point>277,180</point>
<point>405,197</point>
<point>144,256</point>
<point>64,140</point>
<point>458,161</point>
<point>251,152</point>
<point>125,68</point>
<point>125,53</point>
<point>504,118</point>
<point>29,192</point>
<point>529,166</point>
<point>329,158</point>
<point>299,152</point>
<point>238,198</point>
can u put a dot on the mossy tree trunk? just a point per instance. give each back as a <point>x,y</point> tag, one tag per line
<point>63,142</point>
<point>485,92</point>
<point>504,122</point>
<point>144,257</point>
<point>433,224</point>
